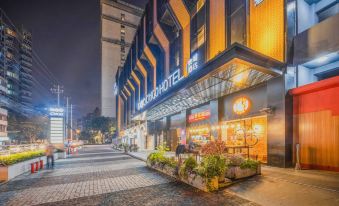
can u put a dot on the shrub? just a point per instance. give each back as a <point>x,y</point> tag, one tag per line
<point>20,157</point>
<point>211,166</point>
<point>155,157</point>
<point>249,164</point>
<point>214,148</point>
<point>188,167</point>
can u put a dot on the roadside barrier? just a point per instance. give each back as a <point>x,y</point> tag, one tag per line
<point>36,166</point>
<point>32,168</point>
<point>41,164</point>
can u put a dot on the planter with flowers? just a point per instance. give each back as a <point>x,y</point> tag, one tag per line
<point>242,168</point>
<point>216,169</point>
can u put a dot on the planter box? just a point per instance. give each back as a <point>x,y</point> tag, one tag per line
<point>11,171</point>
<point>238,173</point>
<point>197,181</point>
<point>166,169</point>
<point>205,184</point>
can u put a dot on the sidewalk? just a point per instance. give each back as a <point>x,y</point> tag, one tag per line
<point>283,186</point>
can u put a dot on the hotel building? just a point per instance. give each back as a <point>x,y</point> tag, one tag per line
<point>237,70</point>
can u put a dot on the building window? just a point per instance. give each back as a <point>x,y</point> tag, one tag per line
<point>122,17</point>
<point>198,31</point>
<point>237,18</point>
<point>328,11</point>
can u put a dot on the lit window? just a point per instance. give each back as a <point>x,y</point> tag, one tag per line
<point>201,36</point>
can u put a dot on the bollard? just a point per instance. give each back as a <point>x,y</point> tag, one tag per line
<point>36,166</point>
<point>41,164</point>
<point>32,168</point>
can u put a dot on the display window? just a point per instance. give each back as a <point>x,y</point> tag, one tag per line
<point>248,132</point>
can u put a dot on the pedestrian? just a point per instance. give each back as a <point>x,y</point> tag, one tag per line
<point>50,155</point>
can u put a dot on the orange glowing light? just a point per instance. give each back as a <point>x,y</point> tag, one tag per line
<point>241,105</point>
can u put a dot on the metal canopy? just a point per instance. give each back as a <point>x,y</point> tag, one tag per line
<point>229,78</point>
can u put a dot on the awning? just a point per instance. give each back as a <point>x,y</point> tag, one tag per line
<point>233,70</point>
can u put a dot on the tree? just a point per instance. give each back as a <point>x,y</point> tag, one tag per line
<point>97,127</point>
<point>27,129</point>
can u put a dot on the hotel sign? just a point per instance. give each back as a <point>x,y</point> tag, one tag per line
<point>172,80</point>
<point>192,64</point>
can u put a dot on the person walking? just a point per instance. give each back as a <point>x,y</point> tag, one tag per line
<point>50,156</point>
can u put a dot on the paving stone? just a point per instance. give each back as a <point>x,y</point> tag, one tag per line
<point>112,178</point>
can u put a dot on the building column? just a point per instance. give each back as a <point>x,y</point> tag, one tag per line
<point>215,117</point>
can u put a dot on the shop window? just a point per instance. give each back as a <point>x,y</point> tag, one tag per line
<point>251,132</point>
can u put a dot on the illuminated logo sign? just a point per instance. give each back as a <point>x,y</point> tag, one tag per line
<point>172,80</point>
<point>241,105</point>
<point>257,2</point>
<point>56,112</point>
<point>192,64</point>
<point>56,119</point>
<point>199,116</point>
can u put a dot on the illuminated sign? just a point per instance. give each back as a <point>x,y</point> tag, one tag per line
<point>241,105</point>
<point>56,119</point>
<point>172,80</point>
<point>257,2</point>
<point>192,64</point>
<point>199,116</point>
<point>57,111</point>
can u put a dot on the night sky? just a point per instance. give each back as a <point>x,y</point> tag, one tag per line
<point>66,36</point>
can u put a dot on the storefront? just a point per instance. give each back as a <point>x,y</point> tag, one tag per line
<point>316,125</point>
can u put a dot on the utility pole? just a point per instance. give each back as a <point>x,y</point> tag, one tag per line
<point>71,121</point>
<point>67,98</point>
<point>57,89</point>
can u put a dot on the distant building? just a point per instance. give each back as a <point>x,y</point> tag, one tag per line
<point>15,67</point>
<point>3,126</point>
<point>119,22</point>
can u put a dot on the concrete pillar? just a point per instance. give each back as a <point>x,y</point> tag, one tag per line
<point>216,112</point>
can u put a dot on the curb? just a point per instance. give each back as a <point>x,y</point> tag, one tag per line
<point>136,157</point>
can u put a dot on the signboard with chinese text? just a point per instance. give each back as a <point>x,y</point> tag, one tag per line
<point>199,116</point>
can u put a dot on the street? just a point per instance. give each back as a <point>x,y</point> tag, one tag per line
<point>100,176</point>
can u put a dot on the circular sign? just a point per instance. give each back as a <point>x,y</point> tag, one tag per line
<point>241,105</point>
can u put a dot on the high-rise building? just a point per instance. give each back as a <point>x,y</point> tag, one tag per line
<point>15,66</point>
<point>260,75</point>
<point>119,22</point>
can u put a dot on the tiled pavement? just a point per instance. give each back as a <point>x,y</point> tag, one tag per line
<point>100,176</point>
